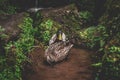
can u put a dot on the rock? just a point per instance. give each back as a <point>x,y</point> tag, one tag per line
<point>10,24</point>
<point>66,16</point>
<point>55,13</point>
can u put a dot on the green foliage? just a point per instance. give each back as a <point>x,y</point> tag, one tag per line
<point>16,52</point>
<point>94,36</point>
<point>10,10</point>
<point>97,64</point>
<point>108,65</point>
<point>27,36</point>
<point>71,19</point>
<point>46,36</point>
<point>6,7</point>
<point>86,15</point>
<point>111,52</point>
<point>87,33</point>
<point>47,25</point>
<point>46,29</point>
<point>2,35</point>
<point>114,49</point>
<point>111,67</point>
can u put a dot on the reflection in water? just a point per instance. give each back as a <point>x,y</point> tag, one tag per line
<point>34,9</point>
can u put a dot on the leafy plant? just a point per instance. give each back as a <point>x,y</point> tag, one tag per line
<point>16,52</point>
<point>94,36</point>
<point>86,15</point>
<point>114,49</point>
<point>108,57</point>
<point>108,50</point>
<point>6,7</point>
<point>2,35</point>
<point>46,29</point>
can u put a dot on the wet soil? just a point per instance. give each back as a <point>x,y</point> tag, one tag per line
<point>76,67</point>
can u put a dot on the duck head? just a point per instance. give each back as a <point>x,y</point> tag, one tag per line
<point>59,34</point>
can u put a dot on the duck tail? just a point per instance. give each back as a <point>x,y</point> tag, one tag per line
<point>48,60</point>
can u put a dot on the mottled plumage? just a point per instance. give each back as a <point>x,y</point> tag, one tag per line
<point>57,51</point>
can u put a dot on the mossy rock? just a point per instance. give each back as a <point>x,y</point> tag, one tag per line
<point>67,17</point>
<point>10,25</point>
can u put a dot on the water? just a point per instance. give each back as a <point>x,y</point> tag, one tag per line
<point>36,3</point>
<point>36,8</point>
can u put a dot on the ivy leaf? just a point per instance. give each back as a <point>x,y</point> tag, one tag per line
<point>102,43</point>
<point>97,64</point>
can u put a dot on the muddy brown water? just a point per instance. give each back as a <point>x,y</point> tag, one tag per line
<point>76,67</point>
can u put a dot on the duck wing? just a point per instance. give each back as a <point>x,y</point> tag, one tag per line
<point>57,51</point>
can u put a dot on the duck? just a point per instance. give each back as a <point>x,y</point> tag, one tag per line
<point>58,48</point>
